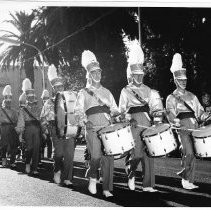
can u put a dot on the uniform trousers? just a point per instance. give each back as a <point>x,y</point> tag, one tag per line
<point>9,142</point>
<point>32,138</point>
<point>138,154</point>
<point>63,154</point>
<point>188,159</point>
<point>98,158</point>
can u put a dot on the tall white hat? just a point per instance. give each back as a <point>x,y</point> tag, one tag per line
<point>135,59</point>
<point>27,87</point>
<point>176,67</point>
<point>45,94</point>
<point>89,61</point>
<point>7,91</point>
<point>22,98</point>
<point>53,77</point>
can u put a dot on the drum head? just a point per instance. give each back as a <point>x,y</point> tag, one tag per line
<point>113,127</point>
<point>153,130</point>
<point>203,132</point>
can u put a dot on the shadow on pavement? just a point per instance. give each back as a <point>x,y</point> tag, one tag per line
<point>170,191</point>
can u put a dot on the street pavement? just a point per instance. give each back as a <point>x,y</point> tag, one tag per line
<point>19,189</point>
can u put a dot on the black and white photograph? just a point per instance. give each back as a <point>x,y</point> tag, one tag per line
<point>105,103</point>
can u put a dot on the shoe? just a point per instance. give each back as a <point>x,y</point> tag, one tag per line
<point>67,182</point>
<point>92,186</point>
<point>4,162</point>
<point>57,177</point>
<point>149,189</point>
<point>187,185</point>
<point>27,170</point>
<point>194,186</point>
<point>13,165</point>
<point>131,183</point>
<point>107,194</point>
<point>100,180</point>
<point>35,172</point>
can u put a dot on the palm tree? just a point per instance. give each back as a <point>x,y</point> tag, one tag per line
<point>28,32</point>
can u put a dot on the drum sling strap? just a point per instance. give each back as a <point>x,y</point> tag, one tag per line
<point>8,117</point>
<point>13,124</point>
<point>97,98</point>
<point>32,116</point>
<point>185,104</point>
<point>138,97</point>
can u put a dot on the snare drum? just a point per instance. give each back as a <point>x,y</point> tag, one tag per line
<point>202,141</point>
<point>159,140</point>
<point>117,139</point>
<point>66,125</point>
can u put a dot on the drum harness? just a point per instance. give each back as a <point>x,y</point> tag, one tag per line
<point>139,98</point>
<point>189,108</point>
<point>8,117</point>
<point>98,100</point>
<point>186,105</point>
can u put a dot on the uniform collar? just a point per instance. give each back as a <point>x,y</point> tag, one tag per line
<point>180,92</point>
<point>94,88</point>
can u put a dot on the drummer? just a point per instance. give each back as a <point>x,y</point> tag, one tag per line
<point>140,104</point>
<point>29,124</point>
<point>94,107</point>
<point>64,148</point>
<point>184,109</point>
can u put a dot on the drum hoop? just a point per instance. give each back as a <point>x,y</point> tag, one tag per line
<point>56,118</point>
<point>113,130</point>
<point>201,137</point>
<point>155,134</point>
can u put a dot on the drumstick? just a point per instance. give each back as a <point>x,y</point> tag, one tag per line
<point>143,126</point>
<point>183,128</point>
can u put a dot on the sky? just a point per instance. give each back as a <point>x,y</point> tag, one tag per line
<point>7,7</point>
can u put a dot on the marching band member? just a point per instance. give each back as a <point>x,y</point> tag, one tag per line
<point>94,107</point>
<point>8,120</point>
<point>64,148</point>
<point>29,125</point>
<point>47,138</point>
<point>139,104</point>
<point>184,109</point>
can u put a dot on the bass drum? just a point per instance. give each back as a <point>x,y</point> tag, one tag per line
<point>66,125</point>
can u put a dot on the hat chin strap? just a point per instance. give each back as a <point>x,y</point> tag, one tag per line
<point>139,83</point>
<point>97,81</point>
<point>183,88</point>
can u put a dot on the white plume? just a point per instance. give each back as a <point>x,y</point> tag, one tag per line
<point>52,72</point>
<point>87,58</point>
<point>7,90</point>
<point>26,85</point>
<point>45,93</point>
<point>136,54</point>
<point>22,97</point>
<point>176,63</point>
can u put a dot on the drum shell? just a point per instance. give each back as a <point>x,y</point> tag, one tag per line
<point>162,143</point>
<point>202,142</point>
<point>118,141</point>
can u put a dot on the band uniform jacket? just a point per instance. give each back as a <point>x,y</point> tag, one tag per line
<point>150,96</point>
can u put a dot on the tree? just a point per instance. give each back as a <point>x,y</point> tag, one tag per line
<point>28,32</point>
<point>96,29</point>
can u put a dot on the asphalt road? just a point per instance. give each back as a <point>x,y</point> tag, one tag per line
<point>19,189</point>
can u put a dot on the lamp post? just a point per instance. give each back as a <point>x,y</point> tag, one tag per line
<point>139,25</point>
<point>18,43</point>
